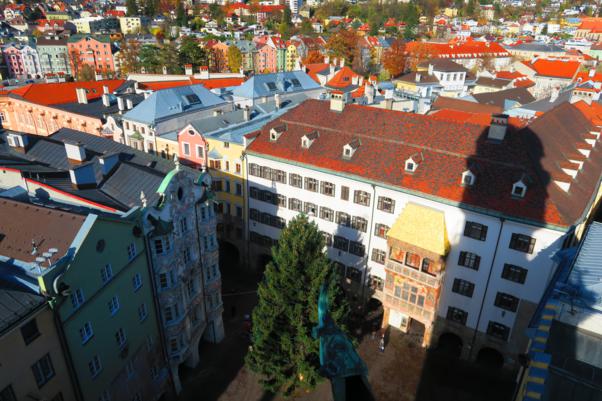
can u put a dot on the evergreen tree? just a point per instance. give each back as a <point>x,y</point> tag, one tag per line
<point>181,16</point>
<point>132,7</point>
<point>284,352</point>
<point>191,53</point>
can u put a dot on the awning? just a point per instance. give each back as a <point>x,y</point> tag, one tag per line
<point>423,227</point>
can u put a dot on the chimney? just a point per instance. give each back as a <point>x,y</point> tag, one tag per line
<point>389,103</point>
<point>369,94</point>
<point>83,176</point>
<point>417,77</point>
<point>204,72</point>
<point>246,112</point>
<point>82,96</point>
<point>337,103</point>
<point>108,162</point>
<point>188,69</point>
<point>431,68</point>
<point>554,94</point>
<point>75,152</point>
<point>277,100</point>
<point>591,73</point>
<point>354,80</point>
<point>120,104</point>
<point>98,76</point>
<point>342,62</point>
<point>327,60</point>
<point>105,89</point>
<point>164,70</point>
<point>498,127</point>
<point>106,100</point>
<point>129,104</point>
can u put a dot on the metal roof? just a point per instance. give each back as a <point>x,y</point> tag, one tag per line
<point>586,274</point>
<point>15,304</point>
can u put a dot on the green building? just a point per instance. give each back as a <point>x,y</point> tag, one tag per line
<point>53,55</point>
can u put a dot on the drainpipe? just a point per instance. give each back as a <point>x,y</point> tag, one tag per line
<point>474,336</point>
<point>65,348</point>
<point>162,336</point>
<point>370,233</point>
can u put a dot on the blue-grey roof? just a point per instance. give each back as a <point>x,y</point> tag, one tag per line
<point>167,103</point>
<point>586,274</point>
<point>270,84</point>
<point>537,47</point>
<point>16,304</point>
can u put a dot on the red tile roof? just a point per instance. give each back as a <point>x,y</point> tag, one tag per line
<point>211,83</point>
<point>584,76</point>
<point>63,92</point>
<point>448,148</point>
<point>548,67</point>
<point>591,24</point>
<point>343,78</point>
<point>313,69</point>
<point>457,49</point>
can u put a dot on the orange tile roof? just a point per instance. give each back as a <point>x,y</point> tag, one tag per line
<point>342,78</point>
<point>63,92</point>
<point>584,76</point>
<point>554,68</point>
<point>458,49</point>
<point>313,69</point>
<point>591,23</point>
<point>211,83</point>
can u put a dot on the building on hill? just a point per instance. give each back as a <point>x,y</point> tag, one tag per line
<point>22,61</point>
<point>54,56</point>
<point>476,274</point>
<point>93,51</point>
<point>549,74</point>
<point>33,362</point>
<point>437,77</point>
<point>93,271</point>
<point>174,231</point>
<point>528,50</point>
<point>590,28</point>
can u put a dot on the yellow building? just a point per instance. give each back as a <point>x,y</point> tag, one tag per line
<point>130,25</point>
<point>167,146</point>
<point>32,366</point>
<point>292,55</point>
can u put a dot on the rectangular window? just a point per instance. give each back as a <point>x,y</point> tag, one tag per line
<point>238,168</point>
<point>254,192</point>
<point>360,224</point>
<point>326,214</point>
<point>357,248</point>
<point>522,243</point>
<point>327,188</point>
<point>43,370</point>
<point>380,230</point>
<point>340,243</point>
<point>310,208</point>
<point>254,170</point>
<point>86,332</point>
<point>327,238</point>
<point>470,260</point>
<point>137,281</point>
<point>254,214</point>
<point>295,180</point>
<point>77,298</point>
<point>361,198</point>
<point>158,246</point>
<point>183,225</point>
<point>186,148</point>
<point>113,305</point>
<point>120,338</point>
<point>266,172</point>
<point>199,152</point>
<point>514,273</point>
<point>457,315</point>
<point>131,251</point>
<point>386,204</point>
<point>379,256</point>
<point>29,332</point>
<point>279,176</point>
<point>106,273</point>
<point>142,312</point>
<point>311,184</point>
<point>164,280</point>
<point>412,260</point>
<point>345,193</point>
<point>238,189</point>
<point>475,230</point>
<point>94,366</point>
<point>463,287</point>
<point>506,301</point>
<point>498,330</point>
<point>343,219</point>
<point>281,200</point>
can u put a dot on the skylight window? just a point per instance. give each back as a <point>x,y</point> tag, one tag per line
<point>193,99</point>
<point>271,86</point>
<point>296,82</point>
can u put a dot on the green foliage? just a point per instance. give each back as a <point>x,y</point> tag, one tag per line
<point>86,73</point>
<point>191,53</point>
<point>234,58</point>
<point>132,7</point>
<point>306,28</point>
<point>150,59</point>
<point>284,352</point>
<point>181,15</point>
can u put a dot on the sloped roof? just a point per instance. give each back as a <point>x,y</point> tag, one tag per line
<point>16,304</point>
<point>283,82</point>
<point>554,68</point>
<point>63,92</point>
<point>517,95</point>
<point>444,102</point>
<point>170,102</point>
<point>212,83</point>
<point>448,148</point>
<point>423,227</point>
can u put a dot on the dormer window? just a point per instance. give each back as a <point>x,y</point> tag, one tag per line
<point>412,163</point>
<point>519,189</point>
<point>350,149</point>
<point>308,139</point>
<point>468,178</point>
<point>276,132</point>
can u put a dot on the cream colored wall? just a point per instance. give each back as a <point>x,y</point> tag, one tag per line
<point>17,358</point>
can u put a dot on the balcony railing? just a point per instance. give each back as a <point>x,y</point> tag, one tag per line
<point>412,273</point>
<point>414,311</point>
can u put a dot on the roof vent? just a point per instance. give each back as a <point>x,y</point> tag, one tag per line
<point>519,189</point>
<point>17,140</point>
<point>276,132</point>
<point>350,148</point>
<point>468,178</point>
<point>308,139</point>
<point>413,161</point>
<point>337,101</point>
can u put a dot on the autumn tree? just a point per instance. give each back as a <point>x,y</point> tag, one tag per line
<point>132,7</point>
<point>234,58</point>
<point>343,44</point>
<point>313,57</point>
<point>129,52</point>
<point>394,59</point>
<point>191,53</point>
<point>86,73</point>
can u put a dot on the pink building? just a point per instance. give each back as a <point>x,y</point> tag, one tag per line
<point>94,51</point>
<point>192,147</point>
<point>22,61</point>
<point>266,59</point>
